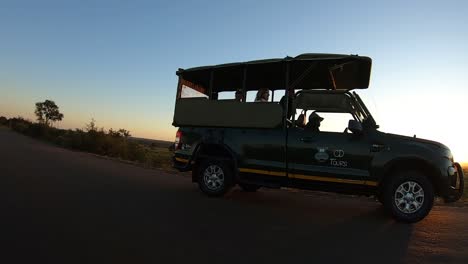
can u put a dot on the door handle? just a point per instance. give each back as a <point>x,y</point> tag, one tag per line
<point>377,147</point>
<point>306,139</point>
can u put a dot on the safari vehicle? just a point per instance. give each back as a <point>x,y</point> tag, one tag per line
<point>225,141</point>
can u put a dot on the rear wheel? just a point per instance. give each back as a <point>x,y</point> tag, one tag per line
<point>214,177</point>
<point>408,196</point>
<point>246,187</point>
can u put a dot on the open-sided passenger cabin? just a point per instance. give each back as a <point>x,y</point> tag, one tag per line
<point>305,78</point>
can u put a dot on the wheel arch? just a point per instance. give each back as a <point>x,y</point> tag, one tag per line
<point>405,164</point>
<point>214,151</point>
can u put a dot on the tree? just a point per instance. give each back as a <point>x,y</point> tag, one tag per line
<point>119,133</point>
<point>124,133</point>
<point>48,112</point>
<point>91,126</point>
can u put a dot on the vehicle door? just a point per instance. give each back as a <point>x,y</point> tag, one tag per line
<point>330,155</point>
<point>260,145</point>
<point>262,155</point>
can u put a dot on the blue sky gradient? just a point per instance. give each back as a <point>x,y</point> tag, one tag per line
<point>115,61</point>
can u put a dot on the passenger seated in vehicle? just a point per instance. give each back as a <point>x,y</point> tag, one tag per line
<point>300,121</point>
<point>239,96</point>
<point>314,122</point>
<point>262,95</point>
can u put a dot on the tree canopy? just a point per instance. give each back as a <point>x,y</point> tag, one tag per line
<point>48,112</point>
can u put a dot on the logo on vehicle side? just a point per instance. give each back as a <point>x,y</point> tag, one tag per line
<point>321,155</point>
<point>338,153</point>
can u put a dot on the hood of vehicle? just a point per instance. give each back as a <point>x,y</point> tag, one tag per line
<point>418,140</point>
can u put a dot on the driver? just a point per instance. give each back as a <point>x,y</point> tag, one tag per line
<point>314,122</point>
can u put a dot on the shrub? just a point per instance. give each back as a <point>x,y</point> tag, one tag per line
<point>136,152</point>
<point>19,124</point>
<point>114,143</point>
<point>37,130</point>
<point>3,120</point>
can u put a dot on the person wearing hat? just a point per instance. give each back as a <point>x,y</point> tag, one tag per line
<point>314,122</point>
<point>239,96</point>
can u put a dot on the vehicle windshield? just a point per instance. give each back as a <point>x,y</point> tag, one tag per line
<point>325,101</point>
<point>368,120</point>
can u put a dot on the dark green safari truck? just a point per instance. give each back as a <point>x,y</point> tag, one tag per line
<point>226,140</point>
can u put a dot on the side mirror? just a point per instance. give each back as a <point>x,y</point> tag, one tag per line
<point>355,127</point>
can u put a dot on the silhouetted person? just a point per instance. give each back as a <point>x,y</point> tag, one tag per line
<point>300,121</point>
<point>314,122</point>
<point>239,96</point>
<point>262,95</point>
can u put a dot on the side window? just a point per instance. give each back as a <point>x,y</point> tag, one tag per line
<point>278,94</point>
<point>191,90</point>
<point>188,92</point>
<point>332,122</point>
<point>226,95</point>
<point>251,95</point>
<point>335,122</point>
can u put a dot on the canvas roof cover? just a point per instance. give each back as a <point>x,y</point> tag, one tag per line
<point>307,71</point>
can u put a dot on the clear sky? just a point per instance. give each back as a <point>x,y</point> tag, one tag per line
<point>115,61</point>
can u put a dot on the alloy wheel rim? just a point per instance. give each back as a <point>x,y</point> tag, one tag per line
<point>409,197</point>
<point>213,177</point>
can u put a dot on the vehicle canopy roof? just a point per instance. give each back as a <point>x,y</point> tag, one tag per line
<point>306,71</point>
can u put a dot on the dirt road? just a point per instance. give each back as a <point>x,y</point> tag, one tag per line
<point>60,206</point>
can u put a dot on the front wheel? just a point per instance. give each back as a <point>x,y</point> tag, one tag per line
<point>214,177</point>
<point>408,196</point>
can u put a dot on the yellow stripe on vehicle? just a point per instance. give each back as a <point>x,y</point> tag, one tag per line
<point>309,177</point>
<point>325,179</point>
<point>181,160</point>
<point>264,172</point>
<point>372,183</point>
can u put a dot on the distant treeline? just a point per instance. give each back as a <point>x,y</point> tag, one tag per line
<point>112,143</point>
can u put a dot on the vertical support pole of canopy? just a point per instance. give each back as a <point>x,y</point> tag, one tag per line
<point>179,88</point>
<point>287,94</point>
<point>178,94</point>
<point>332,79</point>
<point>285,118</point>
<point>244,84</point>
<point>211,93</point>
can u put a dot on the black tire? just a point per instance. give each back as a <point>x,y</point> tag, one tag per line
<point>246,187</point>
<point>213,185</point>
<point>393,194</point>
